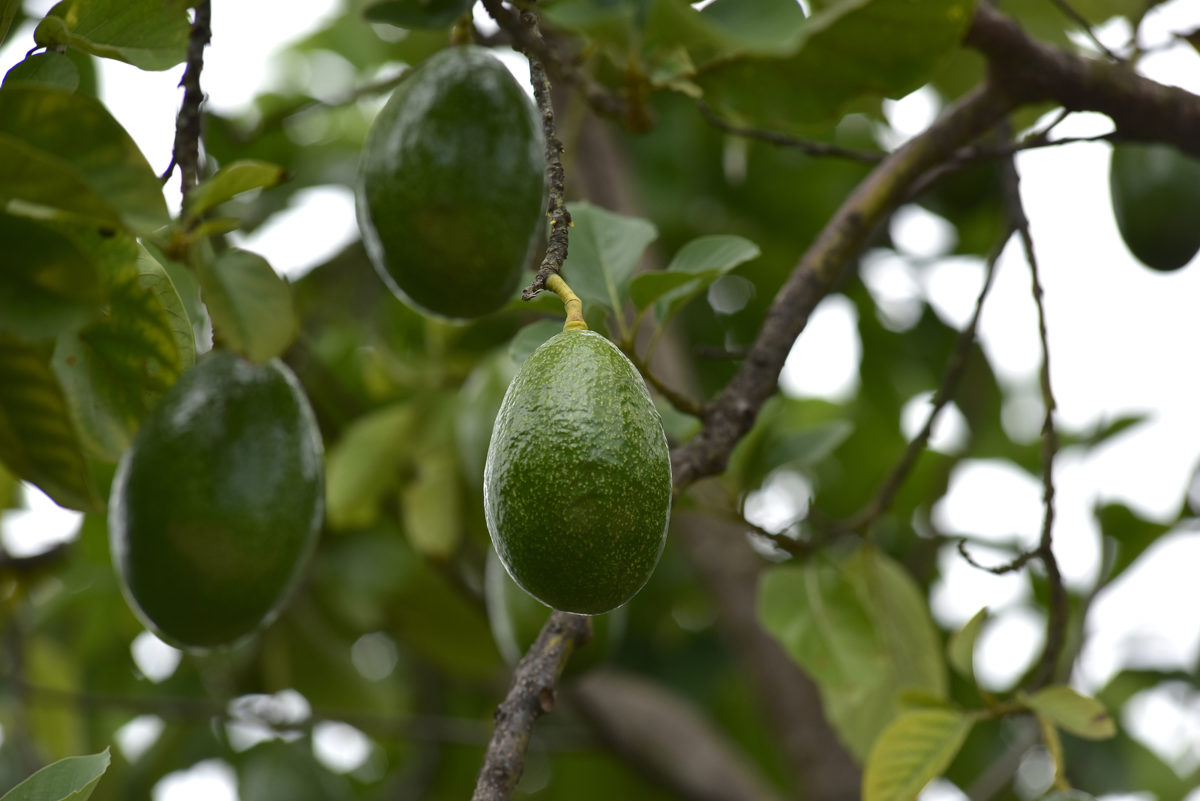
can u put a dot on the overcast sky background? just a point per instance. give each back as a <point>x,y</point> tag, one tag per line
<point>1123,340</point>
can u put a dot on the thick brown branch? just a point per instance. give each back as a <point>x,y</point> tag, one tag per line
<point>532,694</point>
<point>732,412</point>
<point>1032,72</point>
<point>186,153</point>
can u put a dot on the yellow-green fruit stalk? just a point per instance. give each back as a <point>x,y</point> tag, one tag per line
<point>577,485</point>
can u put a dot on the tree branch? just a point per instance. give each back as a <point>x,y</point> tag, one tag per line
<point>186,153</point>
<point>732,412</point>
<point>532,45</point>
<point>532,694</point>
<point>1032,71</point>
<point>1056,620</point>
<point>955,367</point>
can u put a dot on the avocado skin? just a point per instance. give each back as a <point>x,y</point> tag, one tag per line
<point>217,505</point>
<point>1156,200</point>
<point>577,484</point>
<point>451,185</point>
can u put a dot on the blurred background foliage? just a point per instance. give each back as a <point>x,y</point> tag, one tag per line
<point>400,630</point>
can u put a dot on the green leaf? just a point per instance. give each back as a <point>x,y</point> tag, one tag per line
<point>961,648</point>
<point>880,48</point>
<point>150,34</point>
<point>250,305</point>
<point>915,749</point>
<point>695,267</point>
<point>1078,714</point>
<point>605,250</point>
<point>38,441</point>
<point>114,371</point>
<point>56,728</point>
<point>8,12</point>
<point>530,337</point>
<point>364,464</point>
<point>48,68</point>
<point>231,181</point>
<point>427,14</point>
<point>758,26</point>
<point>862,630</point>
<point>48,283</point>
<point>62,155</point>
<point>1132,534</point>
<point>431,505</point>
<point>69,779</point>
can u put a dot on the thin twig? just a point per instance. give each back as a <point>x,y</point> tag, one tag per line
<point>532,695</point>
<point>955,368</point>
<point>1072,14</point>
<point>677,399</point>
<point>1056,622</point>
<point>784,140</point>
<point>999,570</point>
<point>186,152</point>
<point>533,46</point>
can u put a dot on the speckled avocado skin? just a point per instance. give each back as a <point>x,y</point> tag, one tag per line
<point>577,485</point>
<point>217,505</point>
<point>451,185</point>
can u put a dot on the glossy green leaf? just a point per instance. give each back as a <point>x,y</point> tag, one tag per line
<point>695,267</point>
<point>431,505</point>
<point>915,749</point>
<point>862,630</point>
<point>38,441</point>
<point>115,370</point>
<point>1078,714</point>
<point>427,14</point>
<point>48,68</point>
<point>961,648</point>
<point>364,464</point>
<point>605,250</point>
<point>69,779</point>
<point>880,48</point>
<point>48,283</point>
<point>250,305</point>
<point>150,34</point>
<point>231,181</point>
<point>62,155</point>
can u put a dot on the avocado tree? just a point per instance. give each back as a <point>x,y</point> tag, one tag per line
<point>713,173</point>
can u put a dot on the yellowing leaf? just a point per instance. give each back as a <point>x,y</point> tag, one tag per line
<point>916,748</point>
<point>1078,714</point>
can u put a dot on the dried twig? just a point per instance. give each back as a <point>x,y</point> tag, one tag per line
<point>955,367</point>
<point>534,47</point>
<point>532,694</point>
<point>186,152</point>
<point>1056,622</point>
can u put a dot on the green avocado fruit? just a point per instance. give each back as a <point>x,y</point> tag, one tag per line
<point>577,483</point>
<point>216,506</point>
<point>451,186</point>
<point>1156,199</point>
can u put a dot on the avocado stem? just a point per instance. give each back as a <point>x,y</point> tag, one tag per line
<point>574,305</point>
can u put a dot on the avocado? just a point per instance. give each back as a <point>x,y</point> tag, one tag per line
<point>451,185</point>
<point>577,483</point>
<point>216,506</point>
<point>1156,199</point>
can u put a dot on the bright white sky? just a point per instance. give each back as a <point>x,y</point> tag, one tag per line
<point>1122,341</point>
